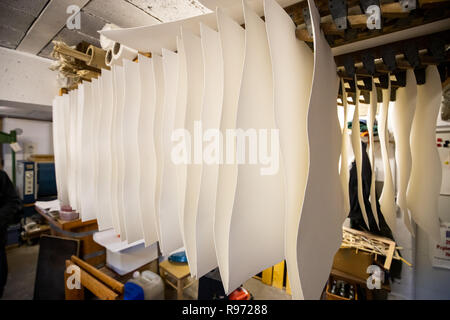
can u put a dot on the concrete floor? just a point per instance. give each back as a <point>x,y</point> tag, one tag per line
<point>22,263</point>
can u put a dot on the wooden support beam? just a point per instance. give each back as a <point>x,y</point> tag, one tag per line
<point>329,28</point>
<point>388,10</point>
<point>423,4</point>
<point>394,19</point>
<point>393,10</point>
<point>302,34</point>
<point>358,21</point>
<point>422,43</point>
<point>62,91</point>
<point>147,54</point>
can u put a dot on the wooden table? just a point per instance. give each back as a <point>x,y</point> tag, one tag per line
<point>178,272</point>
<point>90,251</point>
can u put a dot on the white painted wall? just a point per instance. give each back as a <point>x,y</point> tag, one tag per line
<point>432,282</point>
<point>37,134</point>
<point>26,78</point>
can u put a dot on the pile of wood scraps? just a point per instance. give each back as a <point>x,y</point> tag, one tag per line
<point>370,243</point>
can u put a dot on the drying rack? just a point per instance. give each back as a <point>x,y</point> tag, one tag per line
<point>413,34</point>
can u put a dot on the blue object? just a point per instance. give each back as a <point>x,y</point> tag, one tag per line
<point>179,257</point>
<point>46,179</point>
<point>132,291</point>
<point>25,181</point>
<point>13,234</point>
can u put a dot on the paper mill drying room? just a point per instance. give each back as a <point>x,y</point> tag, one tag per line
<point>225,156</point>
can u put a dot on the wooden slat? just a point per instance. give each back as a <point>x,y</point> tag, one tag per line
<point>393,10</point>
<point>72,294</point>
<point>390,254</point>
<point>267,276</point>
<point>278,275</point>
<point>330,28</point>
<point>358,21</point>
<point>147,54</point>
<point>99,289</point>
<point>112,283</point>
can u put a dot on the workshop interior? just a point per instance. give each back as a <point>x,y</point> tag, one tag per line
<point>225,150</point>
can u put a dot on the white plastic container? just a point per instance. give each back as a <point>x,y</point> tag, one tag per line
<point>123,257</point>
<point>151,283</point>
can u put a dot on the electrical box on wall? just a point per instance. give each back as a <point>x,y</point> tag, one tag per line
<point>26,181</point>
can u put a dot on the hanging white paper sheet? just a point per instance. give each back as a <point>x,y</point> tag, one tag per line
<point>256,239</point>
<point>387,197</point>
<point>87,197</point>
<point>116,222</point>
<point>72,142</point>
<point>56,111</point>
<point>104,217</point>
<point>402,118</point>
<point>320,229</point>
<point>180,117</point>
<point>158,75</point>
<point>211,116</point>
<point>426,171</point>
<point>232,38</point>
<point>195,85</point>
<point>97,108</point>
<point>66,140</point>
<point>147,150</point>
<point>117,147</point>
<point>59,145</point>
<point>344,171</point>
<point>154,38</point>
<point>292,66</point>
<point>169,222</point>
<point>233,8</point>
<point>370,124</point>
<point>78,147</point>
<point>357,150</point>
<point>131,193</point>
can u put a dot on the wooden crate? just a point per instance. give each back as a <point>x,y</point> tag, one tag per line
<point>331,296</point>
<point>352,262</point>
